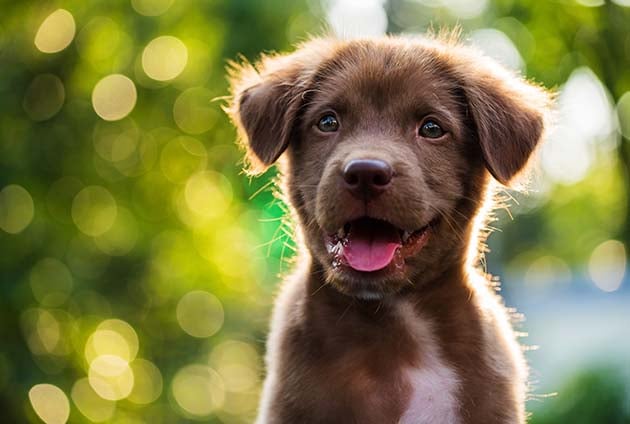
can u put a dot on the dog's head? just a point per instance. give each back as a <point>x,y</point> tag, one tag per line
<point>389,146</point>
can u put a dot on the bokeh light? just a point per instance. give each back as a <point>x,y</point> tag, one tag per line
<point>497,45</point>
<point>104,44</point>
<point>116,141</point>
<point>182,157</point>
<point>56,32</point>
<point>42,330</point>
<point>238,364</point>
<point>121,237</point>
<point>208,194</point>
<point>90,404</point>
<point>357,18</point>
<point>623,114</point>
<point>114,97</point>
<point>148,383</point>
<point>59,198</point>
<point>51,282</point>
<point>607,265</point>
<point>50,403</point>
<point>94,210</point>
<point>585,121</point>
<point>198,390</point>
<point>164,58</point>
<point>193,111</point>
<point>111,377</point>
<point>200,313</point>
<point>242,266</point>
<point>151,7</point>
<point>466,9</point>
<point>16,209</point>
<point>44,97</point>
<point>106,342</point>
<point>546,272</point>
<point>112,337</point>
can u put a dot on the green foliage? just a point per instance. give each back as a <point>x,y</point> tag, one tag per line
<point>596,396</point>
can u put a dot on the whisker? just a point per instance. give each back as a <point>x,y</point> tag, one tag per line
<point>261,189</point>
<point>278,218</point>
<point>344,312</point>
<point>319,288</point>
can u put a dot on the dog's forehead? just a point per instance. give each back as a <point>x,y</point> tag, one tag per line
<point>363,72</point>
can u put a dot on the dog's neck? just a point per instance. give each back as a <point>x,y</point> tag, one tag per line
<point>452,273</point>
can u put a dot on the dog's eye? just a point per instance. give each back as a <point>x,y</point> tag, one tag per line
<point>430,129</point>
<point>328,123</point>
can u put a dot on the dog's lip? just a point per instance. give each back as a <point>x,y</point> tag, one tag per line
<point>405,234</point>
<point>409,244</point>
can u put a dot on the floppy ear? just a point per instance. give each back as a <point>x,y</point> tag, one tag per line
<point>266,101</point>
<point>508,112</point>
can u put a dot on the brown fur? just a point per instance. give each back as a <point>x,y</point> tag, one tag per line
<point>334,355</point>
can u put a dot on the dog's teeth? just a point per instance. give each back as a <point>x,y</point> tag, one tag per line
<point>406,236</point>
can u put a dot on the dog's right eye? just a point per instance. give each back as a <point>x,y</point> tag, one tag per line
<point>328,123</point>
<point>430,129</point>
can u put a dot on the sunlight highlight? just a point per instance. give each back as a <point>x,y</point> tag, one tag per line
<point>50,403</point>
<point>356,18</point>
<point>498,46</point>
<point>200,314</point>
<point>42,331</point>
<point>90,404</point>
<point>547,272</point>
<point>208,194</point>
<point>112,337</point>
<point>51,282</point>
<point>607,265</point>
<point>198,390</point>
<point>56,32</point>
<point>151,7</point>
<point>114,97</point>
<point>164,58</point>
<point>584,127</point>
<point>623,114</point>
<point>16,209</point>
<point>121,237</point>
<point>111,377</point>
<point>183,157</point>
<point>238,364</point>
<point>94,210</point>
<point>148,383</point>
<point>193,111</point>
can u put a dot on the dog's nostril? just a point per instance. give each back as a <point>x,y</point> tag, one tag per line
<point>381,179</point>
<point>351,178</point>
<point>367,177</point>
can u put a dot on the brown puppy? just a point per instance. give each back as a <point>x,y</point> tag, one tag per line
<point>389,146</point>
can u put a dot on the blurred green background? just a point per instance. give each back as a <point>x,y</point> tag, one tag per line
<point>138,263</point>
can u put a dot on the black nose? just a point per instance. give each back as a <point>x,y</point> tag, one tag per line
<point>367,178</point>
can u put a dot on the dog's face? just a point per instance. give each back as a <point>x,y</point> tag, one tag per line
<point>389,147</point>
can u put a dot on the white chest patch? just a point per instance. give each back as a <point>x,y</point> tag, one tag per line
<point>435,385</point>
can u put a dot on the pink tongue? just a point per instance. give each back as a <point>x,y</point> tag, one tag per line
<point>371,245</point>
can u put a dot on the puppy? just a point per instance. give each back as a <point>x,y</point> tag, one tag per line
<point>389,148</point>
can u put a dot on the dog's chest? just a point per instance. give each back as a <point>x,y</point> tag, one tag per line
<point>433,398</point>
<point>434,384</point>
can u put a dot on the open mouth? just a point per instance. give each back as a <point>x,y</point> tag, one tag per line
<point>368,244</point>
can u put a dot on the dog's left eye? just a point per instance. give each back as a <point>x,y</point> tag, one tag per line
<point>430,129</point>
<point>328,123</point>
